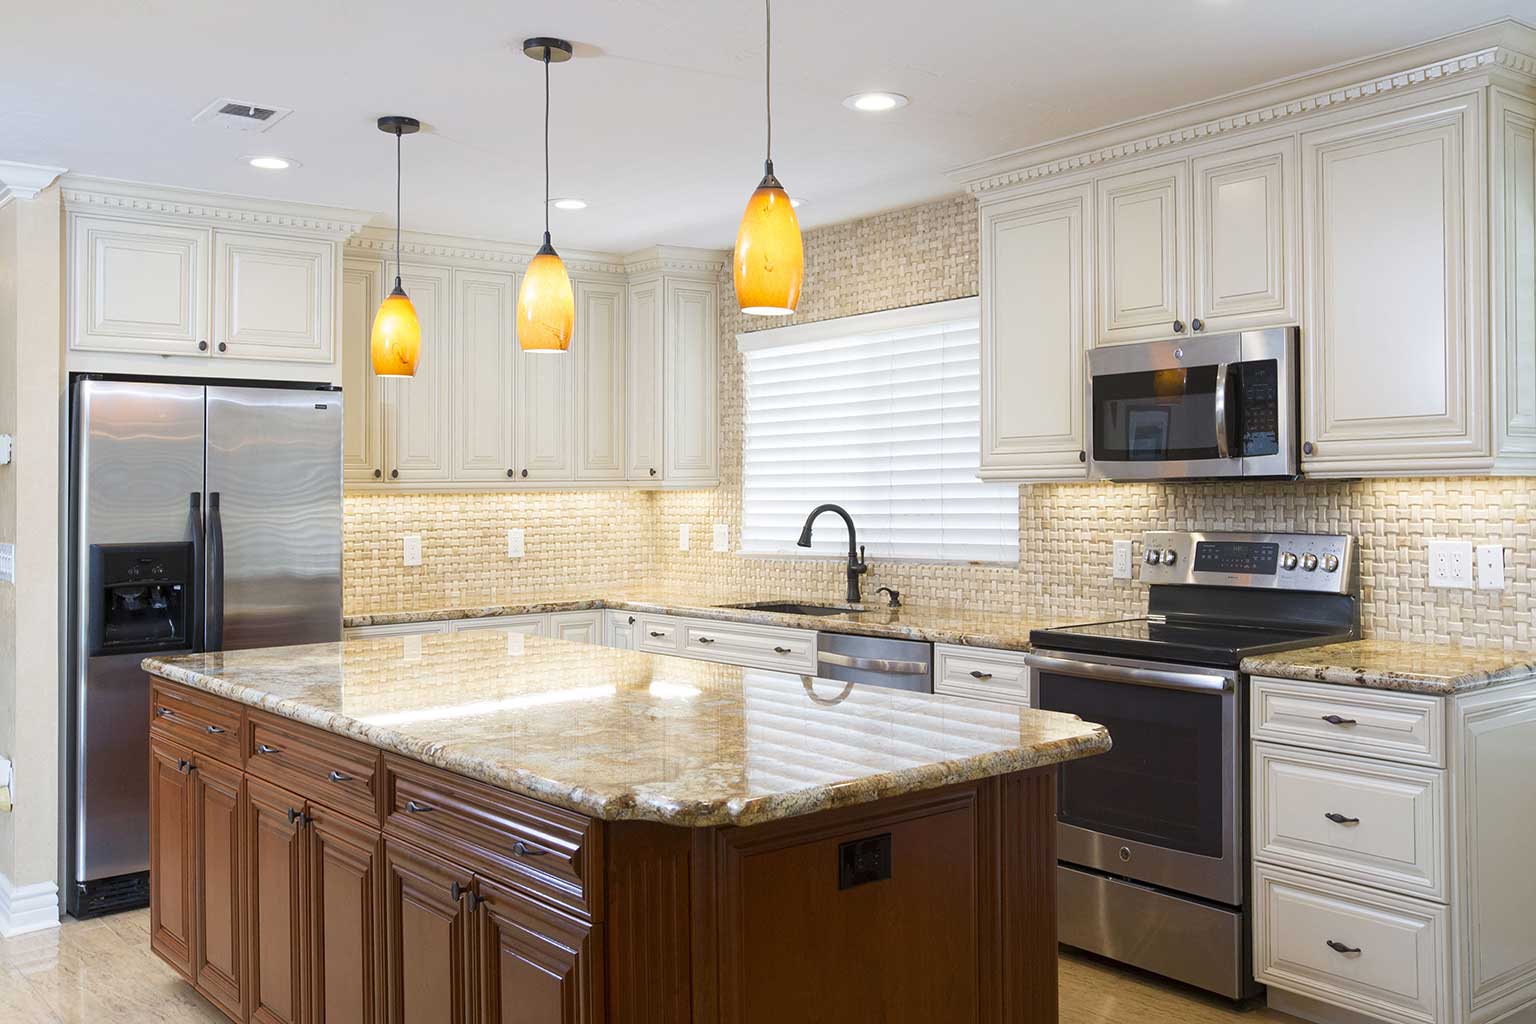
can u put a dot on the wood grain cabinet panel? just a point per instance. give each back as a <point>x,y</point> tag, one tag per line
<point>533,964</point>
<point>218,855</point>
<point>344,899</point>
<point>170,854</point>
<point>275,895</point>
<point>426,937</point>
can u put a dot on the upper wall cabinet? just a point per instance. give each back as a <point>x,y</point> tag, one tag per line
<point>362,454</point>
<point>1033,328</point>
<point>418,444</point>
<point>599,347</point>
<point>484,356</point>
<point>272,297</point>
<point>139,287</point>
<point>1143,249</point>
<point>1246,238</point>
<point>1514,248</point>
<point>690,369</point>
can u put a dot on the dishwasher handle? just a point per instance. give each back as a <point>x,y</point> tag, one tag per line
<point>886,665</point>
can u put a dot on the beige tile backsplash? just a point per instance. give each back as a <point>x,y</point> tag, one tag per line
<point>598,539</point>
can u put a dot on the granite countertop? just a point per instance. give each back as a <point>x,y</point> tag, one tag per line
<point>1404,665</point>
<point>626,735</point>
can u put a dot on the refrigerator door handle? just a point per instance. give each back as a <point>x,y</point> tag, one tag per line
<point>199,569</point>
<point>215,606</point>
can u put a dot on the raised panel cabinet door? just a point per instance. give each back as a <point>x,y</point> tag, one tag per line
<point>1247,233</point>
<point>1034,314</point>
<point>645,396</point>
<point>1142,282</point>
<point>484,403</point>
<point>138,287</point>
<point>274,829</point>
<point>345,901</point>
<point>533,964</point>
<point>218,957</point>
<point>420,436</point>
<point>362,419</point>
<point>170,854</point>
<point>545,429</point>
<point>599,351</point>
<point>1394,359</point>
<point>1514,279</point>
<point>273,298</point>
<point>689,364</point>
<point>577,627</point>
<point>426,937</point>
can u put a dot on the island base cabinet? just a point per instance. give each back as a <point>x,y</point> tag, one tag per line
<point>170,856</point>
<point>532,964</point>
<point>426,937</point>
<point>218,944</point>
<point>344,892</point>
<point>274,886</point>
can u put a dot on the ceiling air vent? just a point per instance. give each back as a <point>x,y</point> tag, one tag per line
<point>240,116</point>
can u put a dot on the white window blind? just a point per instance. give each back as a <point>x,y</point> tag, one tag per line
<point>881,414</point>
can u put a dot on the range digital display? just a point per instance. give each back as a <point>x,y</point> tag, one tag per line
<point>1253,559</point>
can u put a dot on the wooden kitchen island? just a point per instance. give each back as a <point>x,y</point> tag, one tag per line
<point>492,827</point>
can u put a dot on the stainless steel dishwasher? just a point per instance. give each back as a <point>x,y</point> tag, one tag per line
<point>875,661</point>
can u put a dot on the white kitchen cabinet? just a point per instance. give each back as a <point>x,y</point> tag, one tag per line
<point>1035,310</point>
<point>980,673</point>
<point>273,297</point>
<point>1143,247</point>
<point>690,417</point>
<point>482,393</point>
<point>419,439</point>
<point>644,382</point>
<point>577,627</point>
<point>1246,238</point>
<point>1395,346</point>
<point>598,348</point>
<point>545,417</point>
<point>527,625</point>
<point>619,629</point>
<point>362,449</point>
<point>139,286</point>
<point>1513,173</point>
<point>397,629</point>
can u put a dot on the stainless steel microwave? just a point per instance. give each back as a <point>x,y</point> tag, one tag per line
<point>1222,406</point>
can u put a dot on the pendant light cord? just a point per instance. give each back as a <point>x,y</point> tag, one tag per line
<point>768,76</point>
<point>398,135</point>
<point>546,145</point>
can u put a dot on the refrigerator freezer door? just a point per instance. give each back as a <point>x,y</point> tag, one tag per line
<point>137,462</point>
<point>274,517</point>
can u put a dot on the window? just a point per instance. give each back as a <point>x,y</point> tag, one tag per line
<point>881,414</point>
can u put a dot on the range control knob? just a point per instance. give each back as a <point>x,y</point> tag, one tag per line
<point>1330,563</point>
<point>1154,556</point>
<point>1309,562</point>
<point>1288,560</point>
<point>1170,556</point>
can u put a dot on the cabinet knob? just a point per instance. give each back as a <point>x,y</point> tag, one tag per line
<point>394,474</point>
<point>296,816</point>
<point>457,891</point>
<point>653,471</point>
<point>511,472</point>
<point>378,473</point>
<point>1082,456</point>
<point>223,347</point>
<point>1308,448</point>
<point>631,620</point>
<point>202,346</point>
<point>525,474</point>
<point>1178,327</point>
<point>1197,325</point>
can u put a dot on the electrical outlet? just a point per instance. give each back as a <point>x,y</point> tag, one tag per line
<point>412,548</point>
<point>410,647</point>
<point>7,563</point>
<point>682,537</point>
<point>1450,564</point>
<point>1122,567</point>
<point>722,537</point>
<point>1490,567</point>
<point>515,545</point>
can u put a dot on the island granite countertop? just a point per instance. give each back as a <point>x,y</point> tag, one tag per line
<point>623,735</point>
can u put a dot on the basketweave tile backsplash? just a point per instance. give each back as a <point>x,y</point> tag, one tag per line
<point>928,254</point>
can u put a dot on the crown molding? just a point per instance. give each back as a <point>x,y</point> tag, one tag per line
<point>87,193</point>
<point>377,241</point>
<point>677,259</point>
<point>25,181</point>
<point>1482,49</point>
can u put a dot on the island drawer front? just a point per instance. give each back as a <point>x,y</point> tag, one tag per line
<point>658,634</point>
<point>319,766</point>
<point>537,847</point>
<point>206,724</point>
<point>1388,828</point>
<point>1386,956</point>
<point>793,650</point>
<point>1349,719</point>
<point>981,673</point>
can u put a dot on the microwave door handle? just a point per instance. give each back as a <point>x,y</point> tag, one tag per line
<point>1223,440</point>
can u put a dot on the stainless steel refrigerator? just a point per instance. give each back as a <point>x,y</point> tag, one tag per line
<point>204,517</point>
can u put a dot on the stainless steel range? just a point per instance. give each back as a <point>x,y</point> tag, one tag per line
<point>1152,837</point>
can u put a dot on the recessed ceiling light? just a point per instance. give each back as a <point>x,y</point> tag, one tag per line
<point>272,163</point>
<point>875,102</point>
<point>569,203</point>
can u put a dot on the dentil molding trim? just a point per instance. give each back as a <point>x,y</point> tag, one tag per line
<point>27,908</point>
<point>25,181</point>
<point>509,255</point>
<point>1026,165</point>
<point>677,260</point>
<point>86,194</point>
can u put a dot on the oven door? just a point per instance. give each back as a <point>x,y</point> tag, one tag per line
<point>1165,805</point>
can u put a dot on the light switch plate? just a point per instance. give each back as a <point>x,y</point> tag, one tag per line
<point>412,548</point>
<point>1122,567</point>
<point>410,647</point>
<point>516,546</point>
<point>722,537</point>
<point>1490,567</point>
<point>6,443</point>
<point>1450,564</point>
<point>682,537</point>
<point>7,563</point>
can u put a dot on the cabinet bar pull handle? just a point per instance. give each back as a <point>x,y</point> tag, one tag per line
<point>336,776</point>
<point>781,650</point>
<point>164,712</point>
<point>1340,819</point>
<point>705,639</point>
<point>522,849</point>
<point>262,748</point>
<point>655,633</point>
<point>413,807</point>
<point>1336,720</point>
<point>1339,947</point>
<point>979,674</point>
<point>215,730</point>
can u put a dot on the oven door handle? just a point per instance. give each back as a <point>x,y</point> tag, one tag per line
<point>1223,440</point>
<point>1168,679</point>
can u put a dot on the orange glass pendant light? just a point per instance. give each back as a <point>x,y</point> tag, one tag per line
<point>396,338</point>
<point>546,306</point>
<point>769,263</point>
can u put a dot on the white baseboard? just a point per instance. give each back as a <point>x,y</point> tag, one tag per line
<point>27,908</point>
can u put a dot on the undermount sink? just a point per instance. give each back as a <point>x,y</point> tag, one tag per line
<point>791,608</point>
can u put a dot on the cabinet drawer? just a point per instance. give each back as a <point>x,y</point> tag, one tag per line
<point>316,765</point>
<point>793,650</point>
<point>1388,828</point>
<point>203,722</point>
<point>396,629</point>
<point>1346,719</point>
<point>981,674</point>
<point>547,850</point>
<point>1350,947</point>
<point>658,635</point>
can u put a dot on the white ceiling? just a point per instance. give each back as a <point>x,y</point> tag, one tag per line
<point>658,120</point>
